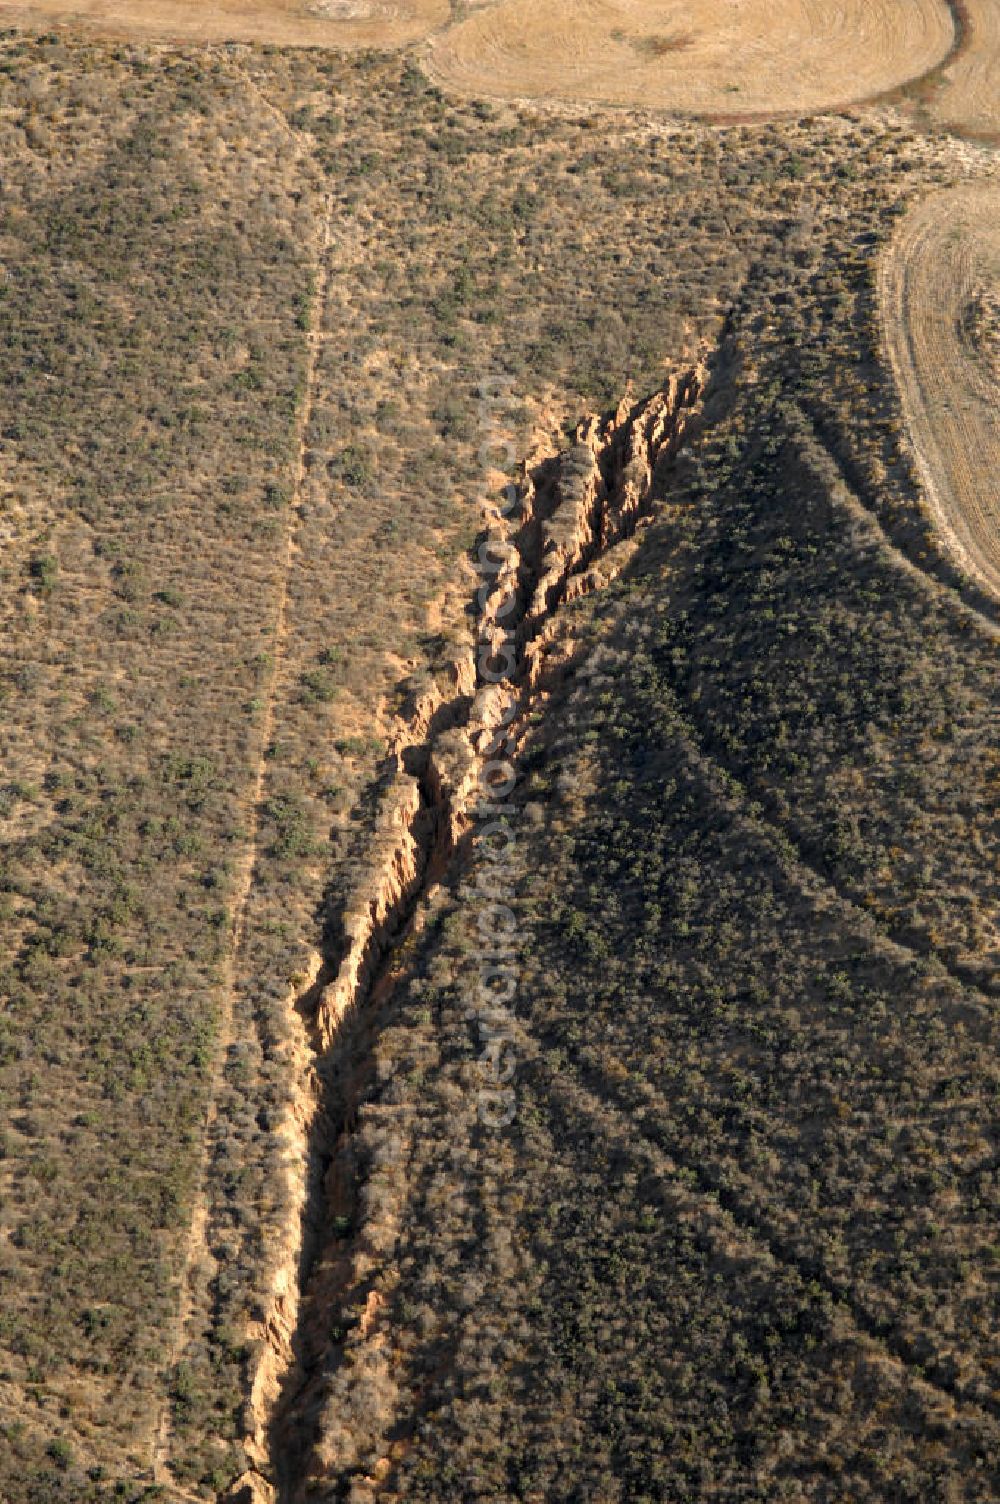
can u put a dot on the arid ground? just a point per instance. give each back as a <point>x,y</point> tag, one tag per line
<point>499,599</point>
<point>941,304</point>
<point>283,23</point>
<point>706,57</point>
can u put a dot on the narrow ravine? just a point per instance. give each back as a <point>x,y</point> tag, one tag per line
<point>573,510</point>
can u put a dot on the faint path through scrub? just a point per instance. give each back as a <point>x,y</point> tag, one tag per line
<point>198,1240</point>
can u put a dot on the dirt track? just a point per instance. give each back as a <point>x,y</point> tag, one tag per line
<point>705,56</point>
<point>940,290</point>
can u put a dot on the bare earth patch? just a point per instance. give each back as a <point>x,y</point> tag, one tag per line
<point>705,56</point>
<point>970,97</point>
<point>940,290</point>
<point>292,23</point>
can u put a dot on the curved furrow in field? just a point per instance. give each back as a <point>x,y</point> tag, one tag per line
<point>707,57</point>
<point>940,290</point>
<point>969,99</point>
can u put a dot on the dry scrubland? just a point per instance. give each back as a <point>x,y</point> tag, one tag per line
<point>739,1242</point>
<point>164,218</point>
<point>716,57</point>
<point>712,57</point>
<point>152,359</point>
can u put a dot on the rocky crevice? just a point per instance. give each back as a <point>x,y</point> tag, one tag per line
<point>572,509</point>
